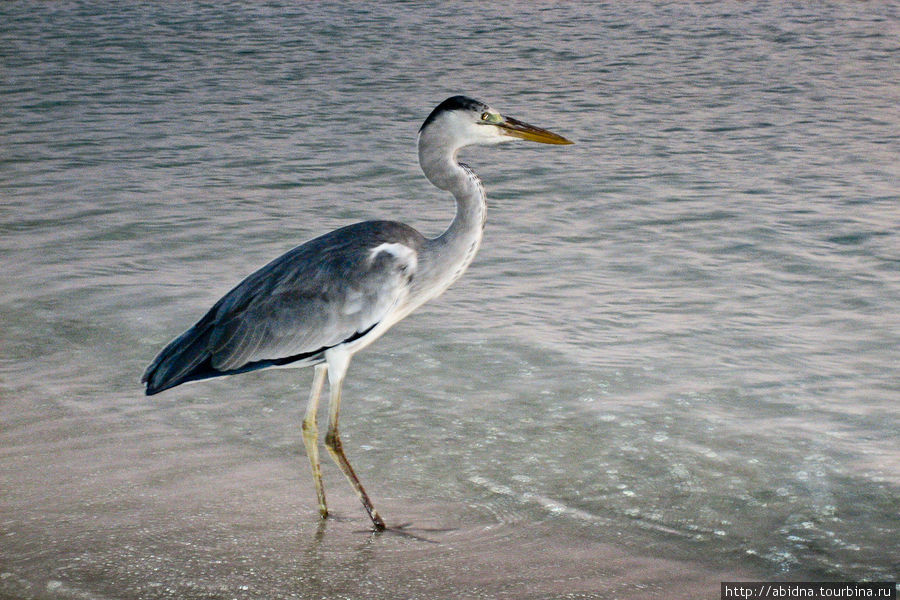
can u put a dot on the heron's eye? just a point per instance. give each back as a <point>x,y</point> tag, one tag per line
<point>485,116</point>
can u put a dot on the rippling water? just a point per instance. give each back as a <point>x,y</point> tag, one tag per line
<point>673,363</point>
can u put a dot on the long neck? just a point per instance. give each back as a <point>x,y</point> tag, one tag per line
<point>447,256</point>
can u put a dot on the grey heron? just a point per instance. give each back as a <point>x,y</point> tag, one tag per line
<point>320,303</point>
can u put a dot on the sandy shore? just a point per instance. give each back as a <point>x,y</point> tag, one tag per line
<point>94,509</point>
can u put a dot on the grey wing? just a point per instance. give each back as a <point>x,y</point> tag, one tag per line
<point>330,290</point>
<point>314,299</point>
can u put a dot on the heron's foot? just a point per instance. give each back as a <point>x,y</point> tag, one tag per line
<point>377,521</point>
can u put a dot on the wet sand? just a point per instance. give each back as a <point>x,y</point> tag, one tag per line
<point>95,508</point>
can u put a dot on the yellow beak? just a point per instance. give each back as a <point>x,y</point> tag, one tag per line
<point>525,131</point>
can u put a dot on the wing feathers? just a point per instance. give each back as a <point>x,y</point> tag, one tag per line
<point>328,291</point>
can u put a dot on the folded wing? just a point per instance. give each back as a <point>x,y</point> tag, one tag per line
<point>331,290</point>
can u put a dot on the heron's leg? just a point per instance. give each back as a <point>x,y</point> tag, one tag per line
<point>311,434</point>
<point>338,362</point>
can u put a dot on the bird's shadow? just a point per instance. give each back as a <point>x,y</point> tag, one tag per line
<point>406,530</point>
<point>403,530</point>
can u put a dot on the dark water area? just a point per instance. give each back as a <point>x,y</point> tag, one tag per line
<point>673,362</point>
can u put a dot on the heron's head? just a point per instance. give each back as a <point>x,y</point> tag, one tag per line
<point>460,121</point>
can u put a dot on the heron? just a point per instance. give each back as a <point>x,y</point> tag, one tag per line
<point>322,302</point>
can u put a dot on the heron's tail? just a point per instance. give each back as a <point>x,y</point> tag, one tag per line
<point>186,358</point>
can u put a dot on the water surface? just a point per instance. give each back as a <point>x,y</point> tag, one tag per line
<point>673,362</point>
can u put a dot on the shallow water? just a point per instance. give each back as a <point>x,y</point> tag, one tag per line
<point>673,362</point>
